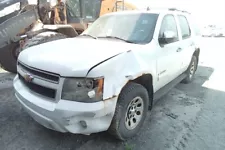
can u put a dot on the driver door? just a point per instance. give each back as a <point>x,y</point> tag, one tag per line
<point>168,62</point>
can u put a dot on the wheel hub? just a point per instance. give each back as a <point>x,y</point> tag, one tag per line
<point>134,113</point>
<point>192,69</point>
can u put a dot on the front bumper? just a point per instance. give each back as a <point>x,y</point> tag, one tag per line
<point>66,116</point>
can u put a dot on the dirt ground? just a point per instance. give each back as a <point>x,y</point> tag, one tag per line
<point>189,117</point>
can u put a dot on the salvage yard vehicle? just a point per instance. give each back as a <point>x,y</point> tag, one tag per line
<point>23,25</point>
<point>108,77</point>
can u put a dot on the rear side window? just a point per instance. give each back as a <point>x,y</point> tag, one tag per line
<point>185,28</point>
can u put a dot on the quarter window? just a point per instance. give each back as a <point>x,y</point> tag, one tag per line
<point>185,28</point>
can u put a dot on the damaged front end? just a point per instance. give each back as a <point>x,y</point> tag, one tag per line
<point>88,116</point>
<point>77,107</point>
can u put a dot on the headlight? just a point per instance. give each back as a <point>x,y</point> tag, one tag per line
<point>83,89</point>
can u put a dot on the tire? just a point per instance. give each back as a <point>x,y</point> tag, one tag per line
<point>191,70</point>
<point>43,38</point>
<point>8,57</point>
<point>119,127</point>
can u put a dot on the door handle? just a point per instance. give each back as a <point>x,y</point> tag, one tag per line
<point>179,49</point>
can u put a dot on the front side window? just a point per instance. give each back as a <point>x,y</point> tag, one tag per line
<point>134,28</point>
<point>185,28</point>
<point>168,25</point>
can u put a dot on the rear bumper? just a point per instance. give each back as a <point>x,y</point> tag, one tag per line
<point>66,116</point>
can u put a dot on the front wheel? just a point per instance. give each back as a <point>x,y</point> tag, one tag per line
<point>131,111</point>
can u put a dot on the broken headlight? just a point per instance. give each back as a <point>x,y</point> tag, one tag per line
<point>83,89</point>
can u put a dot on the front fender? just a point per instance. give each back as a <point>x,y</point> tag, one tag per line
<point>119,70</point>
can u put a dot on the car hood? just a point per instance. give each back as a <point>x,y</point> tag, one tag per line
<point>72,56</point>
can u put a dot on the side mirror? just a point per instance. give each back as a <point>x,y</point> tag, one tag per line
<point>167,37</point>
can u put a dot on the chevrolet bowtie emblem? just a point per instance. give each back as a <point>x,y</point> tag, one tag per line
<point>28,77</point>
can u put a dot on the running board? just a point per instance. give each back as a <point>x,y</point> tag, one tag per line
<point>164,90</point>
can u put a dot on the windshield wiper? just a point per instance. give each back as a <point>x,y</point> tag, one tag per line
<point>89,36</point>
<point>114,37</point>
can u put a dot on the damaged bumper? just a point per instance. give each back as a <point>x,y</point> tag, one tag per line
<point>66,116</point>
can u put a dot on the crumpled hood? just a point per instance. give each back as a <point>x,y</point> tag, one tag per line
<point>72,56</point>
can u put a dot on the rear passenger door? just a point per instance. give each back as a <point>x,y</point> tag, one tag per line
<point>187,42</point>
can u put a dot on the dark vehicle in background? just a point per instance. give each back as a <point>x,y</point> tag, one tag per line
<point>15,18</point>
<point>23,25</point>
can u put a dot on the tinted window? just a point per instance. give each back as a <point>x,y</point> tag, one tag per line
<point>73,8</point>
<point>168,24</point>
<point>90,9</point>
<point>137,28</point>
<point>185,29</point>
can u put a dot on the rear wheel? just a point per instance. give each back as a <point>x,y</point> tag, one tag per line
<point>191,70</point>
<point>9,55</point>
<point>131,111</point>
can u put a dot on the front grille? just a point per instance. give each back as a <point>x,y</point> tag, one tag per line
<point>51,93</point>
<point>42,74</point>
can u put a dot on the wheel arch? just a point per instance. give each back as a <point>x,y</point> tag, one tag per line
<point>146,80</point>
<point>197,53</point>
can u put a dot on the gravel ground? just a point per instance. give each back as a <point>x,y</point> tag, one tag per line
<point>189,117</point>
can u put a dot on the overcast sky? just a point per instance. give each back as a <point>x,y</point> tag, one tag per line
<point>209,11</point>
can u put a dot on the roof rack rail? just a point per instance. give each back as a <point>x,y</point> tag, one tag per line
<point>150,8</point>
<point>171,9</point>
<point>175,9</point>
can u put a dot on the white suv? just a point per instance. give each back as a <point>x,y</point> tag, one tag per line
<point>108,77</point>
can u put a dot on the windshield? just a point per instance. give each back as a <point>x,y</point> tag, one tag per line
<point>136,28</point>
